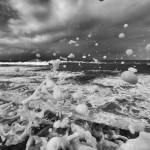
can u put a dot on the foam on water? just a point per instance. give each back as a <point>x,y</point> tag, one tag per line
<point>102,92</point>
<point>105,97</point>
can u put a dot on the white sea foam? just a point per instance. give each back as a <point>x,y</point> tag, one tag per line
<point>44,63</point>
<point>25,63</point>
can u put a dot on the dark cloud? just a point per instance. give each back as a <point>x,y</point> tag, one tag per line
<point>47,26</point>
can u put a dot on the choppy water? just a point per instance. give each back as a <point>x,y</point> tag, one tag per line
<point>113,102</point>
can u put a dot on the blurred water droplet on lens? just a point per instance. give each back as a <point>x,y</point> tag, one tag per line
<point>129,77</point>
<point>121,35</point>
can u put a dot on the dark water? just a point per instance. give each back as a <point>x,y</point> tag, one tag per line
<point>105,66</point>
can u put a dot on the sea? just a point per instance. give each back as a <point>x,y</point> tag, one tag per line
<point>110,100</point>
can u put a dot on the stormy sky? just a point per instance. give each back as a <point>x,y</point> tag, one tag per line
<point>81,27</point>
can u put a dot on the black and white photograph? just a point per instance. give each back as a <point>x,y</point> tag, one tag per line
<point>74,74</point>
